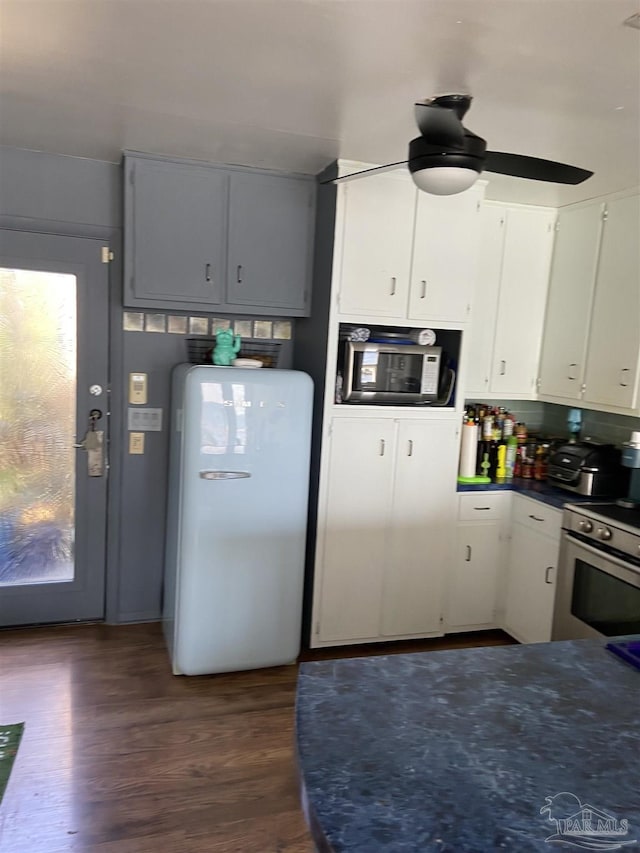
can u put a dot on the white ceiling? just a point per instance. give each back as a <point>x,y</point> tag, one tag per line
<point>293,84</point>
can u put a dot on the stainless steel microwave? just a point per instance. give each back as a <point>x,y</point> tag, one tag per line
<point>391,373</point>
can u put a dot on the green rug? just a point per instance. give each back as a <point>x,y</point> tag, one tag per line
<point>9,742</point>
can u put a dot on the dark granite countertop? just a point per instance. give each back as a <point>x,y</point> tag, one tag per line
<point>536,489</point>
<point>458,751</point>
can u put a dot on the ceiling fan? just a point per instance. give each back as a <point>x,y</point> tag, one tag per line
<point>447,158</point>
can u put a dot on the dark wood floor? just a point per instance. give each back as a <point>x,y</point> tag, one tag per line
<point>119,756</point>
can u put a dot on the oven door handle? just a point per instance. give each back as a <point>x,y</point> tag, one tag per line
<point>605,556</point>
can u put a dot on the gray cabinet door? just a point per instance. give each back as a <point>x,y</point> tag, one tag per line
<point>175,233</point>
<point>270,242</point>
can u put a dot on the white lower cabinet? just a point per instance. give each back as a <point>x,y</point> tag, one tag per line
<point>385,533</point>
<point>475,576</point>
<point>532,570</point>
<point>423,507</point>
<point>353,543</point>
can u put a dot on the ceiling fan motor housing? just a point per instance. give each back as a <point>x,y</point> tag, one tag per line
<point>425,155</point>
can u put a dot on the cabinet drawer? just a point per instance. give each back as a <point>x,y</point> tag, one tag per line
<point>537,516</point>
<point>483,506</point>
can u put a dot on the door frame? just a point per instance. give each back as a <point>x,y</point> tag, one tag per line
<point>111,237</point>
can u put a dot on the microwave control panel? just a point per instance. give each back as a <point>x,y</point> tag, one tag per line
<point>430,374</point>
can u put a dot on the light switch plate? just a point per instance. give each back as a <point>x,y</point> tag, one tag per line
<point>138,388</point>
<point>136,443</point>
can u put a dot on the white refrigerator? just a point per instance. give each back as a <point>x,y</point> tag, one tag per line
<point>236,517</point>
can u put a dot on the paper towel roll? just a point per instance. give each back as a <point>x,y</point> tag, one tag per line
<point>468,450</point>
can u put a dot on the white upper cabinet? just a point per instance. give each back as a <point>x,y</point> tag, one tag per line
<point>611,377</point>
<point>592,330</point>
<point>376,239</point>
<point>479,347</point>
<point>526,257</point>
<point>406,254</point>
<point>445,256</point>
<point>509,305</point>
<point>575,257</point>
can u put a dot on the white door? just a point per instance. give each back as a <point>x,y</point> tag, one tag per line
<point>354,538</point>
<point>573,273</point>
<point>614,341</point>
<point>523,291</point>
<point>376,245</point>
<point>54,295</point>
<point>479,339</point>
<point>421,521</point>
<point>445,256</point>
<point>531,579</point>
<point>472,582</point>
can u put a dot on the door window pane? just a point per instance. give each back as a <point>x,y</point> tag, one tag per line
<point>37,426</point>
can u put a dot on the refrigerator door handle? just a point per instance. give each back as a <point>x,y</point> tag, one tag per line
<point>224,475</point>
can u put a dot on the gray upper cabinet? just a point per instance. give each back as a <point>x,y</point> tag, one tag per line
<point>216,238</point>
<point>269,241</point>
<point>176,233</point>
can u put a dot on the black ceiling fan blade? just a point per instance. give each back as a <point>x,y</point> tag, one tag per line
<point>522,166</point>
<point>439,124</point>
<point>373,171</point>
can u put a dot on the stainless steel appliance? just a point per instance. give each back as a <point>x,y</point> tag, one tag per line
<point>588,468</point>
<point>384,372</point>
<point>598,588</point>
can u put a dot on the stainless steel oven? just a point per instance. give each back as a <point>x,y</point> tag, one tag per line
<point>598,587</point>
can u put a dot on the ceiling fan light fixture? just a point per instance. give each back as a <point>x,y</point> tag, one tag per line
<point>441,171</point>
<point>444,180</point>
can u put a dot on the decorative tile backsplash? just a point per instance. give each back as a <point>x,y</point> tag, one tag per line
<point>137,321</point>
<point>133,321</point>
<point>176,325</point>
<point>551,419</point>
<point>600,426</point>
<point>155,323</point>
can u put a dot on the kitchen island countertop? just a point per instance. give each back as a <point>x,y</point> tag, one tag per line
<point>458,751</point>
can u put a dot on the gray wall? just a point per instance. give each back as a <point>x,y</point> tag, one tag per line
<point>143,488</point>
<point>38,186</point>
<point>70,195</point>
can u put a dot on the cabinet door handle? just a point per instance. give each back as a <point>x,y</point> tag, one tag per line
<point>393,285</point>
<point>207,272</point>
<point>382,446</point>
<point>535,518</point>
<point>467,559</point>
<point>624,370</point>
<point>410,448</point>
<point>503,367</point>
<point>424,289</point>
<point>239,274</point>
<point>569,376</point>
<point>546,574</point>
<point>482,507</point>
